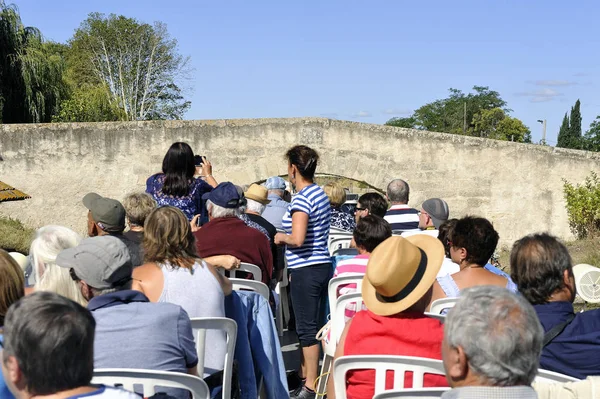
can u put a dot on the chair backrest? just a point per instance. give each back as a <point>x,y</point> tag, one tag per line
<point>440,317</point>
<point>251,285</point>
<point>248,268</point>
<point>336,282</point>
<point>150,379</point>
<point>202,324</point>
<point>338,320</point>
<point>412,393</point>
<point>551,376</point>
<point>438,306</point>
<point>382,363</point>
<point>339,242</point>
<point>345,252</point>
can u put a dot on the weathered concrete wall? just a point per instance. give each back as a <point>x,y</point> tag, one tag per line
<point>517,186</point>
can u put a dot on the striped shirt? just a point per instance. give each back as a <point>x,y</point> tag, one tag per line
<point>349,267</point>
<point>402,217</point>
<point>313,201</point>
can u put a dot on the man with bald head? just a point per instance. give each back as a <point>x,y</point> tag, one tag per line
<point>400,216</point>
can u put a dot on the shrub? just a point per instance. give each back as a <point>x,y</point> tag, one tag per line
<point>583,206</point>
<point>14,236</point>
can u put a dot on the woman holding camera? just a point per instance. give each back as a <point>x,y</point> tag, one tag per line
<point>176,185</point>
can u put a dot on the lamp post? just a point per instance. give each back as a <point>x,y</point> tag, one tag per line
<point>543,122</point>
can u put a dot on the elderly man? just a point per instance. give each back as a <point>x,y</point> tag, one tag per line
<point>131,332</point>
<point>49,350</point>
<point>370,204</point>
<point>434,212</point>
<point>492,344</point>
<point>226,234</point>
<point>276,208</point>
<point>106,216</point>
<point>400,216</point>
<point>542,269</point>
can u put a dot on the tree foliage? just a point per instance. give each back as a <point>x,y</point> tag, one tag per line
<point>31,71</point>
<point>591,140</point>
<point>482,113</point>
<point>136,63</point>
<point>583,206</point>
<point>569,135</point>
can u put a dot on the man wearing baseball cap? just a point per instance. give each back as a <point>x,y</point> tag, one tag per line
<point>434,212</point>
<point>227,234</point>
<point>277,207</point>
<point>131,332</point>
<point>106,216</point>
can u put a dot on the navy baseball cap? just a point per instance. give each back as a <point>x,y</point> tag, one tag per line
<point>224,195</point>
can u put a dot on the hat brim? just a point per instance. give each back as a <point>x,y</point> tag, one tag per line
<point>89,199</point>
<point>257,199</point>
<point>206,196</point>
<point>434,250</point>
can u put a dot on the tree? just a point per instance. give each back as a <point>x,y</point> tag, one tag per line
<point>563,139</point>
<point>495,124</point>
<point>575,125</point>
<point>591,140</point>
<point>89,104</point>
<point>137,63</point>
<point>31,71</point>
<point>408,122</point>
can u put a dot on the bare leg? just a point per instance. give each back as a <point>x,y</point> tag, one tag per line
<point>310,364</point>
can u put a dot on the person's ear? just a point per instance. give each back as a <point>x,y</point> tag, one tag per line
<point>462,253</point>
<point>456,364</point>
<point>13,373</point>
<point>85,290</point>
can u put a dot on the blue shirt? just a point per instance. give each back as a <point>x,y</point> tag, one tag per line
<point>576,351</point>
<point>4,392</point>
<point>275,210</point>
<point>313,201</point>
<point>191,205</point>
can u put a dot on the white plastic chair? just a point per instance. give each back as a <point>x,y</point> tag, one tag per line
<point>150,379</point>
<point>412,393</point>
<point>382,363</point>
<point>339,242</point>
<point>551,376</point>
<point>283,310</point>
<point>200,325</point>
<point>438,306</point>
<point>338,318</point>
<point>244,267</point>
<point>251,285</point>
<point>345,252</point>
<point>440,317</point>
<point>336,282</point>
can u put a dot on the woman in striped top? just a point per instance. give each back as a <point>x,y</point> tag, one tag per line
<point>306,224</point>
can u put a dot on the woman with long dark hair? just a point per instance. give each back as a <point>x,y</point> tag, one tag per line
<point>176,185</point>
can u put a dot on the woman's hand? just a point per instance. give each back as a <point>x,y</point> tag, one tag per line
<point>194,224</point>
<point>280,238</point>
<point>230,262</point>
<point>206,167</point>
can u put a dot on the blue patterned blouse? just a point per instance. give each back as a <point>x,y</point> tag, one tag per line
<point>191,204</point>
<point>342,220</point>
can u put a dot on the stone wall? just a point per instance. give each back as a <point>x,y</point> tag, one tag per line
<point>517,186</point>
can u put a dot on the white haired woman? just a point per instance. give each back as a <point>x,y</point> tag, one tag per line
<point>49,241</point>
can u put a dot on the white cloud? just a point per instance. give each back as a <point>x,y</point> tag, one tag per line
<point>541,95</point>
<point>397,111</point>
<point>362,114</point>
<point>554,83</point>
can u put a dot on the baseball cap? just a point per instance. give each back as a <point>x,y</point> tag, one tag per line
<point>107,212</point>
<point>437,209</point>
<point>224,195</point>
<point>101,262</point>
<point>275,183</point>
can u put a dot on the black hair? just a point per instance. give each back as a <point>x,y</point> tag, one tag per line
<point>305,159</point>
<point>375,203</point>
<point>371,231</point>
<point>537,265</point>
<point>179,168</point>
<point>445,234</point>
<point>477,236</point>
<point>52,339</point>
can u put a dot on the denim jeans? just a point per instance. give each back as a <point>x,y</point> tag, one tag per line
<point>257,347</point>
<point>308,287</point>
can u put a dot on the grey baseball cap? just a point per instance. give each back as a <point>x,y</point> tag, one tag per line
<point>101,262</point>
<point>107,212</point>
<point>437,209</point>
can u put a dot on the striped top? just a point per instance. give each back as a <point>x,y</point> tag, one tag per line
<point>349,267</point>
<point>313,201</point>
<point>402,217</point>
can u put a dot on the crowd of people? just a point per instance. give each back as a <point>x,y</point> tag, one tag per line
<point>124,296</point>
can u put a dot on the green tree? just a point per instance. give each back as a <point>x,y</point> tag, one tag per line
<point>31,71</point>
<point>137,63</point>
<point>575,125</point>
<point>583,206</point>
<point>496,124</point>
<point>408,122</point>
<point>591,140</point>
<point>564,133</point>
<point>89,104</point>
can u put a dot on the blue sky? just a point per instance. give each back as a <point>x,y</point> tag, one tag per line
<point>366,61</point>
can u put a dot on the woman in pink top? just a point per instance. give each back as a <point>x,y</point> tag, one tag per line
<point>369,233</point>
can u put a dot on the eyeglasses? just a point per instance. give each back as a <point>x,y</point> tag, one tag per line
<point>358,209</point>
<point>73,275</point>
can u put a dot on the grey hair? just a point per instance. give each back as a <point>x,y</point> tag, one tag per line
<point>99,292</point>
<point>398,191</point>
<point>500,334</point>
<point>255,206</point>
<point>48,242</point>
<point>277,192</point>
<point>217,211</point>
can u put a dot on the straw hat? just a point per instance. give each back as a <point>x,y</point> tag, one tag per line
<point>400,271</point>
<point>258,194</point>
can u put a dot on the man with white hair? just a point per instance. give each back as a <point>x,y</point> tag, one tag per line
<point>492,345</point>
<point>400,216</point>
<point>277,206</point>
<point>226,234</point>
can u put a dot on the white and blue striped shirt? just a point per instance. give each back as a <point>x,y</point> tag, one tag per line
<point>313,201</point>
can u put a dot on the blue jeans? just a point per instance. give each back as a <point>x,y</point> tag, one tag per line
<point>308,290</point>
